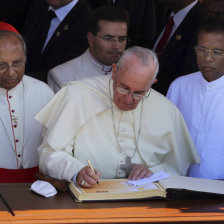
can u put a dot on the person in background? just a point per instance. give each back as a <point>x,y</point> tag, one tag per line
<point>199,98</point>
<point>55,32</point>
<point>142,27</point>
<point>175,42</point>
<point>107,38</point>
<point>21,98</point>
<point>120,124</point>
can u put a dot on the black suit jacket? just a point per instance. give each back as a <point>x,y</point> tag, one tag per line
<point>14,12</point>
<point>178,57</point>
<point>68,41</point>
<point>142,28</point>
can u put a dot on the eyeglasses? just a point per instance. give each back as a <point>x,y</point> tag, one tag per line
<point>15,66</point>
<point>204,51</point>
<point>134,95</point>
<point>112,39</point>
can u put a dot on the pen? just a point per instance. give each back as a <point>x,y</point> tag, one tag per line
<point>6,204</point>
<point>91,167</point>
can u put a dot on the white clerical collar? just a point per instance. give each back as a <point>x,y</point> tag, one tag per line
<point>216,84</point>
<point>11,91</point>
<point>62,12</point>
<point>104,68</point>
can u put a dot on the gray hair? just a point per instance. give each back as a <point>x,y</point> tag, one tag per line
<point>143,54</point>
<point>6,33</point>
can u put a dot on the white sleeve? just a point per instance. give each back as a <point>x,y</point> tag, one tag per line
<point>173,93</point>
<point>169,93</point>
<point>59,164</point>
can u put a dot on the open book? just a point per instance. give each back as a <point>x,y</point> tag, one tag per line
<point>121,189</point>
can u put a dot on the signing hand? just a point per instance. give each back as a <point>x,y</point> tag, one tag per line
<point>87,178</point>
<point>139,172</point>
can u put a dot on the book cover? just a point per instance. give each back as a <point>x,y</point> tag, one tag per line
<point>121,189</point>
<point>116,189</point>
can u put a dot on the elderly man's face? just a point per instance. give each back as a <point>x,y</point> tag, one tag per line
<point>12,62</point>
<point>133,77</point>
<point>109,43</point>
<point>58,3</point>
<point>210,64</point>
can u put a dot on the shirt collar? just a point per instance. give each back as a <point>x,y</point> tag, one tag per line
<point>62,12</point>
<point>104,68</point>
<point>218,83</point>
<point>180,15</point>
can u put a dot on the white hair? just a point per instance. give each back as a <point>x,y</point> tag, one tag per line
<point>144,55</point>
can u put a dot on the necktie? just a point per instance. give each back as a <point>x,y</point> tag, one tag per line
<point>166,35</point>
<point>45,28</point>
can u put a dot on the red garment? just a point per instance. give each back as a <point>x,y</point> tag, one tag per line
<point>18,175</point>
<point>6,26</point>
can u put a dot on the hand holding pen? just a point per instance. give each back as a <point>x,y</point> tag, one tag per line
<point>88,177</point>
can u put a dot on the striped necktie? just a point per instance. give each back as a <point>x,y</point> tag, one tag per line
<point>165,36</point>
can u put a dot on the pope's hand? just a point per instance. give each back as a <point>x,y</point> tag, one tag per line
<point>139,172</point>
<point>87,178</point>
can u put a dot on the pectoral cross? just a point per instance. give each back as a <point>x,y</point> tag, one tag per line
<point>127,166</point>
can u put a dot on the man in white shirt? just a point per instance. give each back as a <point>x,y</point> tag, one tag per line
<point>120,124</point>
<point>21,98</point>
<point>107,38</point>
<point>199,96</point>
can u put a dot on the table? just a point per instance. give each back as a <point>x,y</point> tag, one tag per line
<point>32,208</point>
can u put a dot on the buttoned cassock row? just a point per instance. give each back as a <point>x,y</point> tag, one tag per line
<point>17,110</point>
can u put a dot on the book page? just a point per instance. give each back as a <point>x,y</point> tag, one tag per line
<point>155,177</point>
<point>194,184</point>
<point>117,186</point>
<point>116,189</point>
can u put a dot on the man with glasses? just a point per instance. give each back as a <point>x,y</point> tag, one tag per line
<point>107,38</point>
<point>21,97</point>
<point>120,124</point>
<point>199,96</point>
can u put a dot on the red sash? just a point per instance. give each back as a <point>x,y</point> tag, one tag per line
<point>18,176</point>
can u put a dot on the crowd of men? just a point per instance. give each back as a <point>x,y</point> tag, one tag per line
<point>110,105</point>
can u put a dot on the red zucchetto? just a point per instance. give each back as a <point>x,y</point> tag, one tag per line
<point>7,26</point>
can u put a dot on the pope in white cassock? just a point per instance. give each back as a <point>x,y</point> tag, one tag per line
<point>21,97</point>
<point>199,96</point>
<point>120,124</point>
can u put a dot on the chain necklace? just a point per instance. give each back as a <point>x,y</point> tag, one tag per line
<point>14,119</point>
<point>128,158</point>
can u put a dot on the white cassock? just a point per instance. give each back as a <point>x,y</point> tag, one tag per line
<point>202,106</point>
<point>80,125</point>
<point>75,69</point>
<point>20,133</point>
